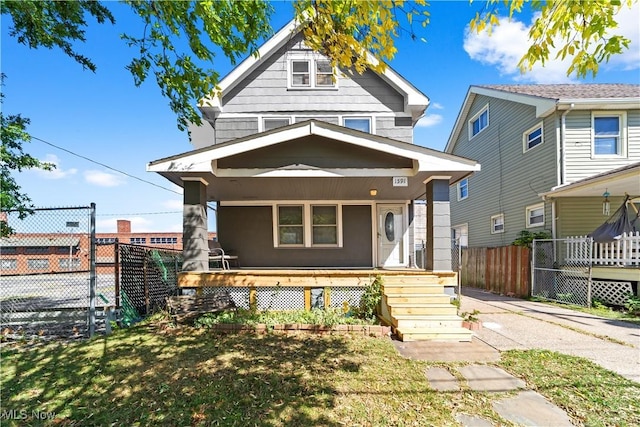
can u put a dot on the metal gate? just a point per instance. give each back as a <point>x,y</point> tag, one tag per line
<point>562,270</point>
<point>48,273</point>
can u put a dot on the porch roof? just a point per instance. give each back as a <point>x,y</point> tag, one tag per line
<point>618,182</point>
<point>298,180</point>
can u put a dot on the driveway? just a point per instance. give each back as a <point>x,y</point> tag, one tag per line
<point>511,323</point>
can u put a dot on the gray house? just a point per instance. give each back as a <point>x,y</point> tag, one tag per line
<point>532,139</point>
<point>315,169</point>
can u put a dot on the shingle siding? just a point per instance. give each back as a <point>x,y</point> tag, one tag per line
<point>510,179</point>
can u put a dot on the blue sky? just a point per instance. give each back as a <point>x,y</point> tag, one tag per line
<point>104,117</point>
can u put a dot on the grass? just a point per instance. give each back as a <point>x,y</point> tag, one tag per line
<point>602,311</point>
<point>152,374</point>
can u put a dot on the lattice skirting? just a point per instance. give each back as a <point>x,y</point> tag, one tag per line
<point>615,293</point>
<point>350,295</point>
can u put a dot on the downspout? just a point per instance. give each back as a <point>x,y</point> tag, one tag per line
<point>560,179</point>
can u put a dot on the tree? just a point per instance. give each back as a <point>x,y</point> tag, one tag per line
<point>355,35</point>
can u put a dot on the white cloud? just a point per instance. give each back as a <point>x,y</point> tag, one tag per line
<point>436,106</point>
<point>429,120</point>
<point>509,41</point>
<point>103,179</point>
<point>58,172</point>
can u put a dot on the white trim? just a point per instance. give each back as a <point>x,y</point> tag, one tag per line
<point>492,225</point>
<point>434,177</point>
<point>622,134</point>
<point>368,117</point>
<point>194,179</point>
<point>262,118</point>
<point>458,186</point>
<point>307,223</point>
<point>312,59</point>
<point>475,117</point>
<point>303,171</point>
<point>525,137</point>
<point>529,209</point>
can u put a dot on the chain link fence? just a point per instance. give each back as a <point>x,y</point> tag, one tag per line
<point>145,277</point>
<point>562,270</point>
<point>47,273</point>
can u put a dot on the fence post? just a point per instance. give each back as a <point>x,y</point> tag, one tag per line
<point>92,271</point>
<point>145,284</point>
<point>589,266</point>
<point>116,271</point>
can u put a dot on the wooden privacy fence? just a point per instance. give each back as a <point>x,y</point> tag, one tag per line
<point>504,270</point>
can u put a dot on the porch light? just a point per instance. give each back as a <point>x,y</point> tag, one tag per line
<point>373,192</point>
<point>606,205</point>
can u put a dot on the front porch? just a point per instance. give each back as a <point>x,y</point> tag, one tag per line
<point>414,302</point>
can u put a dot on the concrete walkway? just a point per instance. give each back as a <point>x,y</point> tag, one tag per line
<point>511,323</point>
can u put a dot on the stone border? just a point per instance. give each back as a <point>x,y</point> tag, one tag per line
<point>378,331</point>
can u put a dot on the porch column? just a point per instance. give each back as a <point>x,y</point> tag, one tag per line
<point>195,248</point>
<point>438,225</point>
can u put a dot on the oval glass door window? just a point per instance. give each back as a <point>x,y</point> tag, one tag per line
<point>388,227</point>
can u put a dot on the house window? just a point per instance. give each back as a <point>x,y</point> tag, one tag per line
<point>8,250</point>
<point>533,137</point>
<point>38,264</point>
<point>8,264</point>
<point>463,189</point>
<point>290,225</point>
<point>105,240</point>
<point>269,123</point>
<point>69,263</point>
<point>300,75</point>
<point>311,73</point>
<point>479,122</point>
<point>607,135</point>
<point>324,225</point>
<point>138,240</point>
<point>460,234</point>
<point>497,224</point>
<point>324,73</point>
<point>363,124</point>
<point>164,240</point>
<point>535,215</point>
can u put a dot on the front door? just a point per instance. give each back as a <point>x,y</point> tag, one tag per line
<point>390,235</point>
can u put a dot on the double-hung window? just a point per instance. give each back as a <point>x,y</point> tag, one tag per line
<point>533,137</point>
<point>479,122</point>
<point>535,215</point>
<point>269,123</point>
<point>497,224</point>
<point>608,134</point>
<point>308,225</point>
<point>311,73</point>
<point>463,189</point>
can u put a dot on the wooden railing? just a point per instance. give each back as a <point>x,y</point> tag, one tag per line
<point>624,251</point>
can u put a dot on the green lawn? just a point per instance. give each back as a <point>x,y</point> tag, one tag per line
<point>152,374</point>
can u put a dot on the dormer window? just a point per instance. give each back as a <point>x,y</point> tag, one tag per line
<point>310,73</point>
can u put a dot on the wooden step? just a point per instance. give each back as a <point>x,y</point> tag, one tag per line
<point>421,309</point>
<point>445,279</point>
<point>393,298</point>
<point>415,288</point>
<point>452,334</point>
<point>426,321</point>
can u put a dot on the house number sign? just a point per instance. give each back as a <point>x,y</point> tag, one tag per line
<point>400,181</point>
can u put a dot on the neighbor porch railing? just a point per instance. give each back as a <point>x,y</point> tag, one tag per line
<point>624,251</point>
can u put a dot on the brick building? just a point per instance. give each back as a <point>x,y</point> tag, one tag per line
<point>35,253</point>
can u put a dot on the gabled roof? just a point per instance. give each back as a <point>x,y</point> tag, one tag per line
<point>549,98</point>
<point>414,99</point>
<point>203,159</point>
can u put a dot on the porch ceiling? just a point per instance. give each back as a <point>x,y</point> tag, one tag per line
<point>305,188</point>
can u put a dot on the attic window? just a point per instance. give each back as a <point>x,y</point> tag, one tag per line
<point>479,122</point>
<point>311,73</point>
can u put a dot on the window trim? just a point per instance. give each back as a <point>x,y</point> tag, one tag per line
<point>459,187</point>
<point>493,224</point>
<point>307,223</point>
<point>278,225</point>
<point>343,120</point>
<point>312,60</point>
<point>324,245</point>
<point>526,140</point>
<point>475,117</point>
<point>622,134</point>
<point>261,126</point>
<point>528,211</point>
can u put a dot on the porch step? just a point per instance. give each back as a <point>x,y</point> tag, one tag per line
<point>434,334</point>
<point>417,298</point>
<point>444,279</point>
<point>421,309</point>
<point>427,321</point>
<point>413,288</point>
